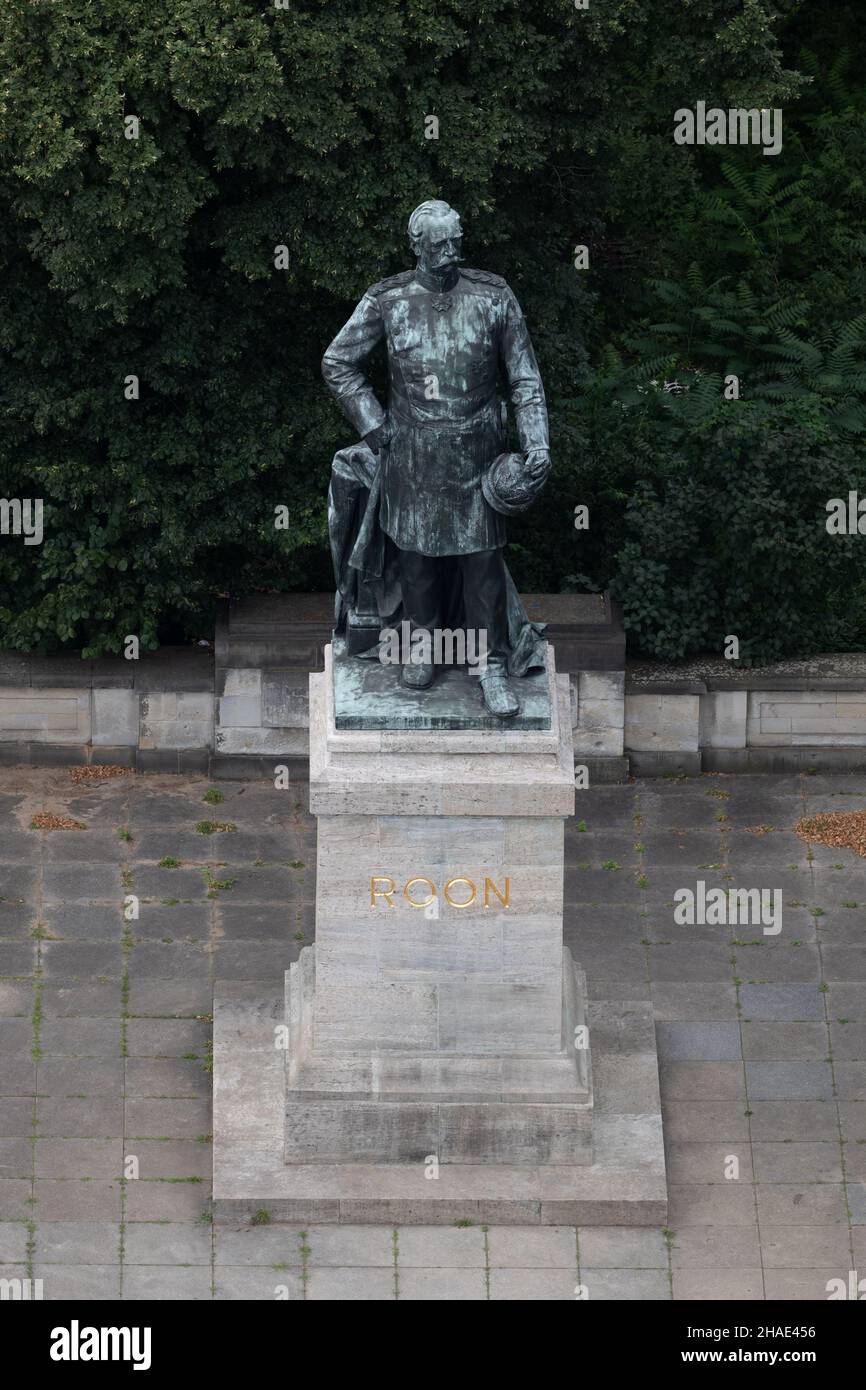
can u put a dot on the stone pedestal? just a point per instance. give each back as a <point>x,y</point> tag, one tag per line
<point>439,1054</point>
<point>437,1014</point>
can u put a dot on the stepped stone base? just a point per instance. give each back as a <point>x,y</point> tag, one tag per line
<point>623,1185</point>
<point>401,1107</point>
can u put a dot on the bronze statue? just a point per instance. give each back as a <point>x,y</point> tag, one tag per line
<point>417,513</point>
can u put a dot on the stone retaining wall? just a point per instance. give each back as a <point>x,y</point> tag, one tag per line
<point>241,709</point>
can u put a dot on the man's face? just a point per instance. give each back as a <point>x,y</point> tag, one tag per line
<point>441,242</point>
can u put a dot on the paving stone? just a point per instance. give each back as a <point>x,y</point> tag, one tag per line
<point>621,1247</point>
<point>17,920</point>
<point>166,1037</point>
<point>166,1077</point>
<point>551,1247</point>
<point>18,1077</point>
<point>84,921</point>
<point>844,963</point>
<point>16,998</point>
<point>155,1200</point>
<point>181,842</point>
<point>801,1204</point>
<point>16,1117</point>
<point>855,1162</point>
<point>71,1117</point>
<point>153,884</point>
<point>633,1285</point>
<point>699,962</point>
<point>337,1285</point>
<point>715,1204</point>
<point>16,1158</point>
<point>852,1117</point>
<point>789,1247</point>
<point>782,1002</point>
<point>170,1242</point>
<point>431,1247</point>
<point>18,958</point>
<point>20,882</point>
<point>171,1158</point>
<point>715,1247</point>
<point>77,1242</point>
<point>13,1242</point>
<point>789,1080</point>
<point>846,1001</point>
<point>705,1120</point>
<point>800,1285</point>
<point>253,960</point>
<point>783,1041</point>
<point>448,1285</point>
<point>77,1199</point>
<point>690,1162</point>
<point>702,1081</point>
<point>160,960</point>
<point>850,1080</point>
<point>511,1285</point>
<point>15,1199</point>
<point>85,1283</point>
<point>82,883</point>
<point>699,1042</point>
<point>673,1001</point>
<point>79,1158</point>
<point>102,847</point>
<point>166,1282</point>
<point>792,1119</point>
<point>84,999</point>
<point>848,1040</point>
<point>78,1076</point>
<point>260,1245</point>
<point>256,923</point>
<point>718,1285</point>
<point>352,1245</point>
<point>797,1162</point>
<point>180,921</point>
<point>180,998</point>
<point>62,960</point>
<point>856,1201</point>
<point>16,1035</point>
<point>149,807</point>
<point>779,961</point>
<point>262,1283</point>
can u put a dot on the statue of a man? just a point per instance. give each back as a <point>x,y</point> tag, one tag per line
<point>451,335</point>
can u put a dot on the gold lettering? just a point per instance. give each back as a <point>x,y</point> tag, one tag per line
<point>488,884</point>
<point>385,893</point>
<point>410,900</point>
<point>450,884</point>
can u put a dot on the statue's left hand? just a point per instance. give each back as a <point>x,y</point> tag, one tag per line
<point>537,463</point>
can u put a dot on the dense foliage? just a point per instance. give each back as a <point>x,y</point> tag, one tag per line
<point>304,127</point>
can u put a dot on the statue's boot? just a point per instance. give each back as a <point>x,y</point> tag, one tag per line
<point>418,675</point>
<point>498,692</point>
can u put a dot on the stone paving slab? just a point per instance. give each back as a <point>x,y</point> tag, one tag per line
<point>99,1037</point>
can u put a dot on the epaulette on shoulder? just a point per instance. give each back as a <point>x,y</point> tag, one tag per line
<point>484,277</point>
<point>391,282</point>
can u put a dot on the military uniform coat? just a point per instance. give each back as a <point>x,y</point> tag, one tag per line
<point>448,349</point>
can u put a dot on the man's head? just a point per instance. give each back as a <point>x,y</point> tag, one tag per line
<point>436,235</point>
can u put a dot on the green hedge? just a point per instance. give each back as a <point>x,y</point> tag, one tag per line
<point>304,127</point>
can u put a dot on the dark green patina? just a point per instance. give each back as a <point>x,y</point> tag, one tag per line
<point>413,534</point>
